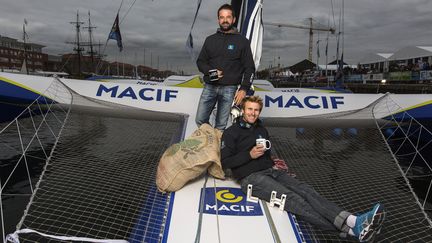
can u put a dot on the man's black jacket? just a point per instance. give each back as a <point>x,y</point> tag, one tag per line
<point>237,142</point>
<point>230,53</point>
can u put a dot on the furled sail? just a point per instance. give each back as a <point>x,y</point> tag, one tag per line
<point>249,23</point>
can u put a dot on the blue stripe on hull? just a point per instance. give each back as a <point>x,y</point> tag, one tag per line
<point>299,233</point>
<point>14,99</point>
<point>147,228</point>
<point>419,113</point>
<point>13,94</point>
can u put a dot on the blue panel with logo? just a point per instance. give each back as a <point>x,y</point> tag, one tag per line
<point>228,201</point>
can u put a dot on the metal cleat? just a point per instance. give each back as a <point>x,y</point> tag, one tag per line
<point>249,197</point>
<point>280,202</point>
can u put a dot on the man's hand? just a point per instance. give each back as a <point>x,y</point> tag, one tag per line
<point>257,151</point>
<point>220,73</point>
<point>240,94</point>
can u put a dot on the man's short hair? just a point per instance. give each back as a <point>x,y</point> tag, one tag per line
<point>254,99</point>
<point>227,7</point>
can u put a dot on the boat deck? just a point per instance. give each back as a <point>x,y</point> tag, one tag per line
<point>100,180</point>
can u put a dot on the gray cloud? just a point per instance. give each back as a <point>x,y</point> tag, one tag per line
<point>161,27</point>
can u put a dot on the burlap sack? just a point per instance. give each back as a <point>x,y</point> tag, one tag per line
<point>215,168</point>
<point>188,159</point>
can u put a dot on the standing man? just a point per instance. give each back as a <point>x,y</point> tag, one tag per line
<point>226,61</point>
<point>251,164</point>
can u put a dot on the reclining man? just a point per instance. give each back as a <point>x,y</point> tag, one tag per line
<point>251,164</point>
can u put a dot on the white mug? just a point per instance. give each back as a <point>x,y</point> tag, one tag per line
<point>264,142</point>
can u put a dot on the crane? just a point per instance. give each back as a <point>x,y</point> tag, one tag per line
<point>310,28</point>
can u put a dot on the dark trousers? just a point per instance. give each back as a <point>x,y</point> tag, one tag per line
<point>301,199</point>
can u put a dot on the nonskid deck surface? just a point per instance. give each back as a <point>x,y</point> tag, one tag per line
<point>100,182</point>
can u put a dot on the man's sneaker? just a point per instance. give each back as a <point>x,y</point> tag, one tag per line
<point>369,223</point>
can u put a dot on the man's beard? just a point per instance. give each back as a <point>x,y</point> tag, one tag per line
<point>229,27</point>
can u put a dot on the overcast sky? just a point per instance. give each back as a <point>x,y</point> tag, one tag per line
<point>159,28</point>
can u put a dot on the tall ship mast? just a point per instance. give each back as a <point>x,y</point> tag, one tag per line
<point>78,49</point>
<point>92,56</point>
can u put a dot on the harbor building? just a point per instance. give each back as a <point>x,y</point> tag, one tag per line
<point>13,53</point>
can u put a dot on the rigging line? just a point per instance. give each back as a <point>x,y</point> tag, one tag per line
<point>121,4</point>
<point>338,36</point>
<point>24,153</point>
<point>340,21</point>
<point>63,68</point>
<point>20,158</point>
<point>201,211</point>
<point>217,211</point>
<point>328,21</point>
<point>341,24</point>
<point>48,160</point>
<point>332,8</point>
<point>99,65</point>
<point>396,159</point>
<point>326,52</point>
<point>189,41</point>
<point>3,236</point>
<point>127,12</point>
<point>196,14</point>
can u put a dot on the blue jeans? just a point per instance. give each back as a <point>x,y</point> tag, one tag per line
<point>302,200</point>
<point>224,96</point>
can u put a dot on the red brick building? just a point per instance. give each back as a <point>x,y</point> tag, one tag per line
<point>12,55</point>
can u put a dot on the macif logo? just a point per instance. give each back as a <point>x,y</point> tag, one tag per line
<point>312,102</point>
<point>228,201</point>
<point>146,94</point>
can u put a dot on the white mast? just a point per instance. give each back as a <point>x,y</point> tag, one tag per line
<point>24,68</point>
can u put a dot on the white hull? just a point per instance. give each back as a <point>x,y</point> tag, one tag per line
<point>301,108</point>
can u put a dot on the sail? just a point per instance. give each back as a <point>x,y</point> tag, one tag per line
<point>249,23</point>
<point>24,67</point>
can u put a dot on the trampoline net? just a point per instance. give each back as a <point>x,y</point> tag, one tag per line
<point>100,182</point>
<point>358,167</point>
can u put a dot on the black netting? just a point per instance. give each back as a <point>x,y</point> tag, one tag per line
<point>353,168</point>
<point>100,182</point>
